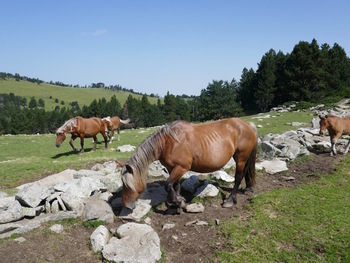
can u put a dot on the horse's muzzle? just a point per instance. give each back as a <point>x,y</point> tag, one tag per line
<point>58,145</point>
<point>130,205</point>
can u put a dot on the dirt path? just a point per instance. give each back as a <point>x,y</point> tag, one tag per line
<point>183,243</point>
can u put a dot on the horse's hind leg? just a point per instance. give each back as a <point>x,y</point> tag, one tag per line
<point>82,144</point>
<point>232,199</point>
<point>111,135</point>
<point>118,134</point>
<point>347,147</point>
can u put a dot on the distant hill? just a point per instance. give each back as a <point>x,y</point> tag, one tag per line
<point>54,95</point>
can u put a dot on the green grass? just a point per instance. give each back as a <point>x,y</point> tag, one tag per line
<point>280,122</point>
<point>44,91</point>
<point>308,224</point>
<point>31,157</point>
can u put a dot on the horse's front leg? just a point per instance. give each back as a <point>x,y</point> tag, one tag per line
<point>173,187</point>
<point>106,140</point>
<point>334,140</point>
<point>111,135</point>
<point>118,134</point>
<point>72,145</point>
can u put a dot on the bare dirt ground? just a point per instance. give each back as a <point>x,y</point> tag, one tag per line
<point>183,243</point>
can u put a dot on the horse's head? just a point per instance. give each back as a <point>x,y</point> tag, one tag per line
<point>323,124</point>
<point>60,138</point>
<point>132,187</point>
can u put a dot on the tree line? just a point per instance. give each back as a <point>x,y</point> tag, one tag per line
<point>310,74</point>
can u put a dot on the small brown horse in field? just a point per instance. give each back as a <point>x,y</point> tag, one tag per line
<point>181,146</point>
<point>82,128</point>
<point>336,127</point>
<point>113,123</point>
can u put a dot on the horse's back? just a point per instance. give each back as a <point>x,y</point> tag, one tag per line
<point>91,126</point>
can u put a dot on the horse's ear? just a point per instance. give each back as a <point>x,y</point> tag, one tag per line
<point>129,169</point>
<point>121,164</point>
<point>322,117</point>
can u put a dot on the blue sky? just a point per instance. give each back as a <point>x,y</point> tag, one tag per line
<point>159,46</point>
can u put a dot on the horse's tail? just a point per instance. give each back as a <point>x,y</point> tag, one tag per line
<point>125,121</point>
<point>249,169</point>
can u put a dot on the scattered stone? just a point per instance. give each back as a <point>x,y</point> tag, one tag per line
<point>207,190</point>
<point>99,238</point>
<point>288,178</point>
<point>195,208</point>
<point>142,207</point>
<point>10,210</point>
<point>273,166</point>
<point>148,221</point>
<point>197,223</point>
<point>97,209</point>
<point>57,228</point>
<point>20,239</point>
<point>168,226</point>
<point>126,148</point>
<point>222,175</point>
<point>156,169</point>
<point>32,194</point>
<point>190,184</point>
<point>137,243</point>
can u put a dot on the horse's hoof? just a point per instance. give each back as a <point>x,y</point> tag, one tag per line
<point>248,190</point>
<point>183,204</point>
<point>227,204</point>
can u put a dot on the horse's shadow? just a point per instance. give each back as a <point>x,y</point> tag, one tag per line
<point>70,153</point>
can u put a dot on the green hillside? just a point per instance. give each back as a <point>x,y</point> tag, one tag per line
<point>49,93</point>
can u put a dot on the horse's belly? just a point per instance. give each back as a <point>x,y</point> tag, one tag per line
<point>210,163</point>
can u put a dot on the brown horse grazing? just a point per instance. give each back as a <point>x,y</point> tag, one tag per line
<point>181,146</point>
<point>112,124</point>
<point>82,128</point>
<point>336,127</point>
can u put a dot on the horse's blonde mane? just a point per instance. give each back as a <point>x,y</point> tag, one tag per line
<point>147,152</point>
<point>107,119</point>
<point>67,126</point>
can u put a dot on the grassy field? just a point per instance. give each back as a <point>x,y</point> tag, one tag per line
<point>308,224</point>
<point>278,123</point>
<point>49,93</point>
<point>26,158</point>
